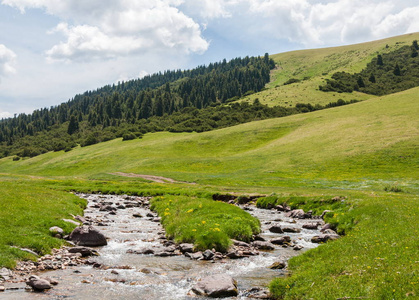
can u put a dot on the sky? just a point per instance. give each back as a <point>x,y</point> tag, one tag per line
<point>51,50</point>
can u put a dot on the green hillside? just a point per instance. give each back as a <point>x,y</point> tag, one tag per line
<point>366,152</point>
<point>312,67</point>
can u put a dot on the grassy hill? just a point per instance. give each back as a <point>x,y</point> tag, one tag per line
<point>367,152</point>
<point>312,67</point>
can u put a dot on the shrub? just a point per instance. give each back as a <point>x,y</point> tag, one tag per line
<point>128,136</point>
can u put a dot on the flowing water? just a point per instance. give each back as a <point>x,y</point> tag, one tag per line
<point>134,276</point>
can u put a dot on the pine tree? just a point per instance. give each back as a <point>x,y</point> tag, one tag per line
<point>380,60</point>
<point>73,126</point>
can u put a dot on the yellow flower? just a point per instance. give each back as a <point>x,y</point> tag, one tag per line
<point>203,222</point>
<point>189,211</point>
<point>200,205</point>
<point>166,213</point>
<point>193,229</point>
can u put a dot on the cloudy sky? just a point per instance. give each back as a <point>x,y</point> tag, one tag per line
<point>51,50</point>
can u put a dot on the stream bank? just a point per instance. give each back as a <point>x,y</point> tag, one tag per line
<point>123,271</point>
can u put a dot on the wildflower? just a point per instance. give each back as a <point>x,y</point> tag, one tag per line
<point>189,211</point>
<point>193,229</point>
<point>203,222</point>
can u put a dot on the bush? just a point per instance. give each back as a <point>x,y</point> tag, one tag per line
<point>128,136</point>
<point>16,158</point>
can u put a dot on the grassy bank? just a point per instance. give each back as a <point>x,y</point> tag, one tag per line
<point>26,213</point>
<point>205,223</point>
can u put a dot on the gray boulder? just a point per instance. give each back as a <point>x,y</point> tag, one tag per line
<point>281,240</point>
<point>263,245</point>
<point>278,265</point>
<point>216,286</point>
<point>38,283</point>
<point>88,236</point>
<point>296,214</point>
<point>186,248</point>
<point>276,229</point>
<point>84,251</point>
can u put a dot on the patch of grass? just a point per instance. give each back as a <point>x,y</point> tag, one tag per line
<point>377,259</point>
<point>26,214</point>
<point>205,223</point>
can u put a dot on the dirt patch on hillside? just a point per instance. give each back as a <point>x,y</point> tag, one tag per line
<point>158,179</point>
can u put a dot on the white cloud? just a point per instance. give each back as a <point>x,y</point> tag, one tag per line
<point>7,61</point>
<point>105,29</point>
<point>5,114</point>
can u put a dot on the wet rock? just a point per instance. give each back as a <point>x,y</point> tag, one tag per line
<point>279,208</point>
<point>311,226</point>
<point>278,265</point>
<point>2,288</point>
<point>276,229</point>
<point>216,286</point>
<point>107,208</point>
<point>137,215</point>
<point>165,254</point>
<point>325,227</point>
<point>84,251</point>
<point>208,254</point>
<point>329,231</point>
<point>5,274</point>
<point>296,214</point>
<point>141,251</point>
<point>240,243</point>
<point>297,247</point>
<point>186,248</point>
<point>258,238</point>
<point>196,256</point>
<point>52,281</point>
<point>257,293</point>
<point>150,215</point>
<point>38,283</point>
<point>263,245</point>
<point>322,238</point>
<point>291,229</point>
<point>88,236</point>
<point>281,240</point>
<point>157,220</point>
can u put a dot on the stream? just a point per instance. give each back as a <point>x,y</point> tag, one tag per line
<point>125,275</point>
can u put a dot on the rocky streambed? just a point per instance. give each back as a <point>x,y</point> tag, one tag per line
<point>138,262</point>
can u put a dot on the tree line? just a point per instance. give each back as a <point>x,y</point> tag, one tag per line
<point>112,108</point>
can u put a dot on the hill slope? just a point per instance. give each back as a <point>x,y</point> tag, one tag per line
<point>315,65</point>
<point>374,139</point>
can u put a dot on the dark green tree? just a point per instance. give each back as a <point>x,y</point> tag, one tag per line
<point>397,70</point>
<point>73,126</point>
<point>380,60</point>
<point>372,78</point>
<point>360,82</point>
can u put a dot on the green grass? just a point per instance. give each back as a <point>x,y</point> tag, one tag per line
<point>26,213</point>
<point>205,223</point>
<point>366,152</point>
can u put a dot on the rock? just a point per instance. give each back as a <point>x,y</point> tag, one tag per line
<point>52,281</point>
<point>38,284</point>
<point>56,230</point>
<point>137,215</point>
<point>88,236</point>
<point>196,255</point>
<point>258,238</point>
<point>186,248</point>
<point>150,215</point>
<point>325,227</point>
<point>216,286</point>
<point>296,214</point>
<point>324,213</point>
<point>235,254</point>
<point>298,247</point>
<point>208,254</point>
<point>281,240</point>
<point>279,208</point>
<point>322,238</point>
<point>2,288</point>
<point>240,243</point>
<point>329,231</point>
<point>278,265</point>
<point>257,293</point>
<point>165,254</point>
<point>84,251</point>
<point>291,229</point>
<point>141,251</point>
<point>263,245</point>
<point>71,221</point>
<point>276,229</point>
<point>311,226</point>
<point>6,274</point>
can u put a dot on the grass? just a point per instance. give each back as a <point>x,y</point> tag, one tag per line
<point>205,223</point>
<point>366,152</point>
<point>26,214</point>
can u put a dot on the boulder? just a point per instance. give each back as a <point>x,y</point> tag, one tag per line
<point>296,214</point>
<point>322,238</point>
<point>56,230</point>
<point>291,229</point>
<point>84,251</point>
<point>216,286</point>
<point>5,274</point>
<point>208,254</point>
<point>88,236</point>
<point>325,227</point>
<point>263,245</point>
<point>278,265</point>
<point>276,229</point>
<point>141,251</point>
<point>240,243</point>
<point>311,226</point>
<point>186,248</point>
<point>297,247</point>
<point>196,256</point>
<point>38,283</point>
<point>281,240</point>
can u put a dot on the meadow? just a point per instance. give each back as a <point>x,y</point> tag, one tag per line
<point>366,153</point>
